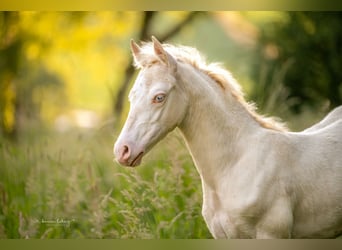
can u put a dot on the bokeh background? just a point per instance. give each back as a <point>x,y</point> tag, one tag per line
<point>64,80</point>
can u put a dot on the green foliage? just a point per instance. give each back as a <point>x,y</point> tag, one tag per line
<point>67,186</point>
<point>51,62</point>
<point>22,74</point>
<point>10,48</point>
<point>304,55</point>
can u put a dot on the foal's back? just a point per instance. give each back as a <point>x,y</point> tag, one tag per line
<point>332,117</point>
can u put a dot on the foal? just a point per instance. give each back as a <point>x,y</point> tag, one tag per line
<point>258,179</point>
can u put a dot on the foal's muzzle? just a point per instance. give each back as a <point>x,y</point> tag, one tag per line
<point>128,155</point>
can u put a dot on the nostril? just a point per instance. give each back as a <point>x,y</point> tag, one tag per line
<point>125,152</point>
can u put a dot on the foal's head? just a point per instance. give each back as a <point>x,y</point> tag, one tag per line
<point>157,104</point>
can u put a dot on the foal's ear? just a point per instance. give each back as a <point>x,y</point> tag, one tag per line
<point>163,55</point>
<point>135,50</point>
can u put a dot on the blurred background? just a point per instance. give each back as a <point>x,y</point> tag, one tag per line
<point>64,80</point>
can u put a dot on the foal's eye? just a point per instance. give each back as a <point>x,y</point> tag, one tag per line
<point>159,98</point>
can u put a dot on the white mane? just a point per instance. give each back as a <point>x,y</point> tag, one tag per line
<point>214,70</point>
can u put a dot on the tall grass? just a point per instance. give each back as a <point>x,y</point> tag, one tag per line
<point>67,186</point>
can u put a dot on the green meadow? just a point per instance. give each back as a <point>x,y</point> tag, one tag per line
<point>68,186</point>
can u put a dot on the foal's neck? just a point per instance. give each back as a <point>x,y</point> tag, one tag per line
<point>215,126</point>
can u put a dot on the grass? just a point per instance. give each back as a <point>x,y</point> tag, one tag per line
<point>67,186</point>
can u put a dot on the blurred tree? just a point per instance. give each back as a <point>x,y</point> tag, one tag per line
<point>10,47</point>
<point>305,55</point>
<point>20,75</point>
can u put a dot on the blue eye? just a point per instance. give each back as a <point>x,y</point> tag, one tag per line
<point>159,98</point>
